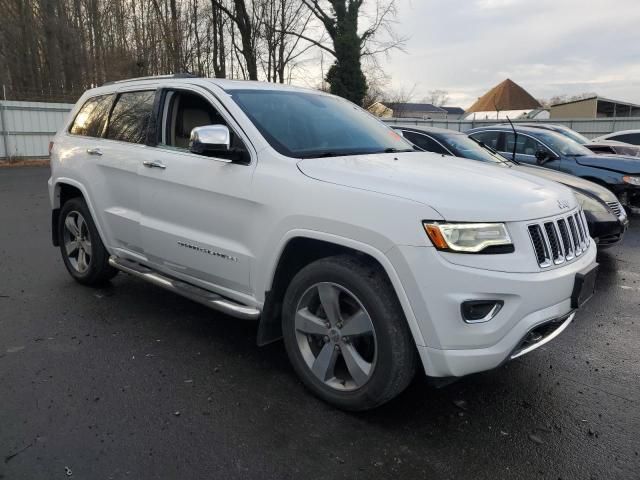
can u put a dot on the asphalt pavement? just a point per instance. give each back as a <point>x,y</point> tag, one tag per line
<point>132,382</point>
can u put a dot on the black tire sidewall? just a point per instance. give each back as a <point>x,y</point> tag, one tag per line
<point>395,348</point>
<point>99,269</point>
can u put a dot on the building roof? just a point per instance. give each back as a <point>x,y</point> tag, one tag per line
<point>507,95</point>
<point>453,110</point>
<point>415,107</point>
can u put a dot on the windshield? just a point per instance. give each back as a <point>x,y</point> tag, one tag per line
<point>310,125</point>
<point>561,144</point>
<point>463,146</point>
<point>573,135</point>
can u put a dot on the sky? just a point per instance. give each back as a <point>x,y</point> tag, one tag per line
<point>548,47</point>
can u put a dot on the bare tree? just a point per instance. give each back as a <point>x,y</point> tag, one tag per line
<point>438,97</point>
<point>339,19</point>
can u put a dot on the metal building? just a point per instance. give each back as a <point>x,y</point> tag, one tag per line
<point>595,107</point>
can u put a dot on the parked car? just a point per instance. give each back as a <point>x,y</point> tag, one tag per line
<point>610,147</point>
<point>551,150</point>
<point>606,218</point>
<point>302,210</point>
<point>626,136</point>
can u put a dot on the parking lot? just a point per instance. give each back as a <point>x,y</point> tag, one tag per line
<point>129,381</point>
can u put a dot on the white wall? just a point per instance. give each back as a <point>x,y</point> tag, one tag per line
<point>27,127</point>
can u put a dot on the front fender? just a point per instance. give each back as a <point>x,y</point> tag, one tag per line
<point>376,253</point>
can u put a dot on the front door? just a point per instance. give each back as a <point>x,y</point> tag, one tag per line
<point>195,208</point>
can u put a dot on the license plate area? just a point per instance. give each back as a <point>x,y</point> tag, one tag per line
<point>584,286</point>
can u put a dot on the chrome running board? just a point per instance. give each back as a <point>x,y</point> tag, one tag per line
<point>197,294</point>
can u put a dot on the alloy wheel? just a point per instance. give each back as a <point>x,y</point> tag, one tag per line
<point>335,336</point>
<point>77,241</point>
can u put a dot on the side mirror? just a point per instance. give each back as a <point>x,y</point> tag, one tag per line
<point>210,140</point>
<point>542,156</point>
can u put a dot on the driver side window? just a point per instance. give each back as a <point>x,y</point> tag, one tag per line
<point>524,145</point>
<point>184,111</point>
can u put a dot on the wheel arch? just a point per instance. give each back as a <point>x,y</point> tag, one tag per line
<point>300,248</point>
<point>63,190</point>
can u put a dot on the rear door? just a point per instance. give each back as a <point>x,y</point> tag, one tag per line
<point>118,162</point>
<point>105,161</point>
<point>196,212</point>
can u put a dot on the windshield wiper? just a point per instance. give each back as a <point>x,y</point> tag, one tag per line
<point>397,150</point>
<point>329,154</point>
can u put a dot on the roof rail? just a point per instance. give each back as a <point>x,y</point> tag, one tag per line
<point>152,77</point>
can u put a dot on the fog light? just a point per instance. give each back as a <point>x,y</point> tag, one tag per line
<point>476,311</point>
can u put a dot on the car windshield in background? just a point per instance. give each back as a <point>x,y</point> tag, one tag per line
<point>309,125</point>
<point>561,144</point>
<point>466,147</point>
<point>575,136</point>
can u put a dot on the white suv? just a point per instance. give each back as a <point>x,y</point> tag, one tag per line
<point>301,210</point>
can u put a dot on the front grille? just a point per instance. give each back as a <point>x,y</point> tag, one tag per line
<point>615,208</point>
<point>560,239</point>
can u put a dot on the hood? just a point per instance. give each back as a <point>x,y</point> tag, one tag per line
<point>570,181</point>
<point>459,189</point>
<point>616,163</point>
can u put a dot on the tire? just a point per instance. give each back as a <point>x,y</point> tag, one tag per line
<point>82,249</point>
<point>362,351</point>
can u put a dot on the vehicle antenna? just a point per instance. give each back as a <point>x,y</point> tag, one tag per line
<point>515,138</point>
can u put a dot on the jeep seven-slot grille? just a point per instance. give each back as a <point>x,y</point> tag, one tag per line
<point>559,240</point>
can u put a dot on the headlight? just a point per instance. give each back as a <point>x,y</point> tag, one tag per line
<point>468,237</point>
<point>633,180</point>
<point>590,204</point>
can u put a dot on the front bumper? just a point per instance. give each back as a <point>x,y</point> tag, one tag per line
<point>606,228</point>
<point>436,288</point>
<point>629,197</point>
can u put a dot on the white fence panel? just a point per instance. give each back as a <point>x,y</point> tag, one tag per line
<point>27,127</point>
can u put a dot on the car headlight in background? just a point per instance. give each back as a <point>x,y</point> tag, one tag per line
<point>468,237</point>
<point>591,204</point>
<point>633,180</point>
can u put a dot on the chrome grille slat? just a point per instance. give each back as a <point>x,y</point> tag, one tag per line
<point>553,241</point>
<point>560,239</point>
<point>574,236</point>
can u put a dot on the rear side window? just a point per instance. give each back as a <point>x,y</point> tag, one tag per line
<point>130,117</point>
<point>424,142</point>
<point>92,117</point>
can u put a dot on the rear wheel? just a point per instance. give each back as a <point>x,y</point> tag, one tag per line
<point>346,334</point>
<point>82,249</point>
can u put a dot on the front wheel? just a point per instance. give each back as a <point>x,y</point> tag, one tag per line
<point>346,334</point>
<point>82,249</point>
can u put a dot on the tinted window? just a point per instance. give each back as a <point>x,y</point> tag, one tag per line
<point>466,147</point>
<point>424,142</point>
<point>525,145</point>
<point>185,111</point>
<point>633,138</point>
<point>92,117</point>
<point>130,117</point>
<point>490,139</point>
<point>308,125</point>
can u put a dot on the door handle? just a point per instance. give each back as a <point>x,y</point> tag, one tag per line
<point>94,151</point>
<point>155,164</point>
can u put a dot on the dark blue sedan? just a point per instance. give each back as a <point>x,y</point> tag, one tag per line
<point>535,146</point>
